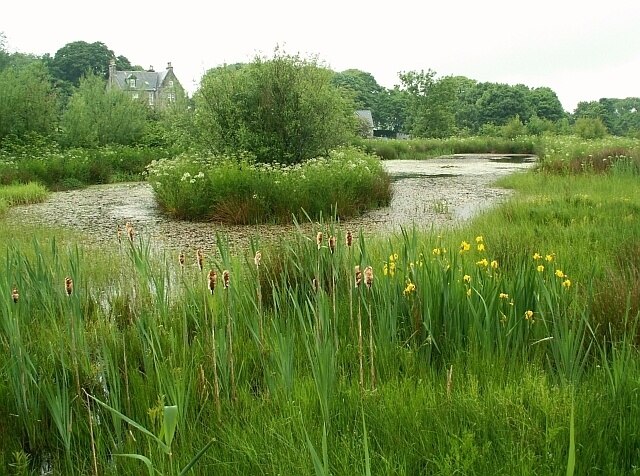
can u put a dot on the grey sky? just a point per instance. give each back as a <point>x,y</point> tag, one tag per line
<point>582,52</point>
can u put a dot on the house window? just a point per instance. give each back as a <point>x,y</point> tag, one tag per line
<point>132,82</point>
<point>151,99</point>
<point>135,96</point>
<point>171,97</point>
<point>171,83</point>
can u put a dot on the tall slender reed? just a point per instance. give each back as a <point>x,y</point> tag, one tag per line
<point>212,281</point>
<point>368,281</point>
<point>257,259</point>
<point>358,282</point>
<point>332,250</point>
<point>232,373</point>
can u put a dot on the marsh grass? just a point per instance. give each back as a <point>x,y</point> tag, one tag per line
<point>238,191</point>
<point>490,347</point>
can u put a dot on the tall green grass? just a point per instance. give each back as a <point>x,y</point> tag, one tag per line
<point>501,347</point>
<point>21,194</point>
<point>416,149</point>
<point>238,191</point>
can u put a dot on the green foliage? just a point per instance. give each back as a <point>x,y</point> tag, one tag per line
<point>514,128</point>
<point>590,128</point>
<point>425,148</point>
<point>430,104</point>
<point>47,164</point>
<point>97,116</point>
<point>27,102</point>
<point>236,190</point>
<point>77,59</point>
<point>282,109</point>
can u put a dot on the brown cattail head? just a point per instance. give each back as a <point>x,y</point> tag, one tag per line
<point>213,279</point>
<point>119,234</point>
<point>68,285</point>
<point>319,239</point>
<point>368,276</point>
<point>15,295</point>
<point>181,259</point>
<point>225,279</point>
<point>257,259</point>
<point>358,274</point>
<point>349,239</point>
<point>200,258</point>
<point>332,244</point>
<point>130,231</point>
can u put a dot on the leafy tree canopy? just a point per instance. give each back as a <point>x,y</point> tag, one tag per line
<point>74,60</point>
<point>284,109</point>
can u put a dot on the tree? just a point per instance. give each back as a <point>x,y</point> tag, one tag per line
<point>74,60</point>
<point>431,104</point>
<point>546,105</point>
<point>98,116</point>
<point>499,103</point>
<point>27,101</point>
<point>284,109</point>
<point>366,91</point>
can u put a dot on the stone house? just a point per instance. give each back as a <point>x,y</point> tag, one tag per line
<point>366,122</point>
<point>156,88</point>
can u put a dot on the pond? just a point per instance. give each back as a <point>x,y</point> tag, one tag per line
<point>435,192</point>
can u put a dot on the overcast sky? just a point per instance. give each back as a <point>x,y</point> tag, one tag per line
<point>582,50</point>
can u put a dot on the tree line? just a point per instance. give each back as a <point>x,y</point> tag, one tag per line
<point>64,97</point>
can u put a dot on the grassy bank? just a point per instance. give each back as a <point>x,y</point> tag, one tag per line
<point>21,195</point>
<point>237,190</point>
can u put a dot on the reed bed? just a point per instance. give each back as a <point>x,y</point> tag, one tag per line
<point>290,348</point>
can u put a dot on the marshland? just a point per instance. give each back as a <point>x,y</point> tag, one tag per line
<point>498,335</point>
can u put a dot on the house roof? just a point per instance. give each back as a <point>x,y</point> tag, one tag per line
<point>365,115</point>
<point>145,80</point>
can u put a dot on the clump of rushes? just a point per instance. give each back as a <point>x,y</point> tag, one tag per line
<point>368,281</point>
<point>68,285</point>
<point>200,259</point>
<point>15,295</point>
<point>358,282</point>
<point>213,278</point>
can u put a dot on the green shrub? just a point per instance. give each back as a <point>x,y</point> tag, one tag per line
<point>590,128</point>
<point>238,190</point>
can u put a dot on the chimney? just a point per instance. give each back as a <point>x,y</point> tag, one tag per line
<point>112,70</point>
<point>150,70</point>
<point>169,67</point>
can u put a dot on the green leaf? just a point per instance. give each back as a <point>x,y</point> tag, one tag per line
<point>169,424</point>
<point>142,458</point>
<point>135,424</point>
<point>195,459</point>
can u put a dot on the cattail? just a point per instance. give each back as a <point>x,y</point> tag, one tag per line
<point>130,231</point>
<point>213,278</point>
<point>119,234</point>
<point>15,295</point>
<point>257,259</point>
<point>181,259</point>
<point>225,279</point>
<point>68,285</point>
<point>319,239</point>
<point>358,276</point>
<point>332,244</point>
<point>349,239</point>
<point>200,259</point>
<point>368,276</point>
